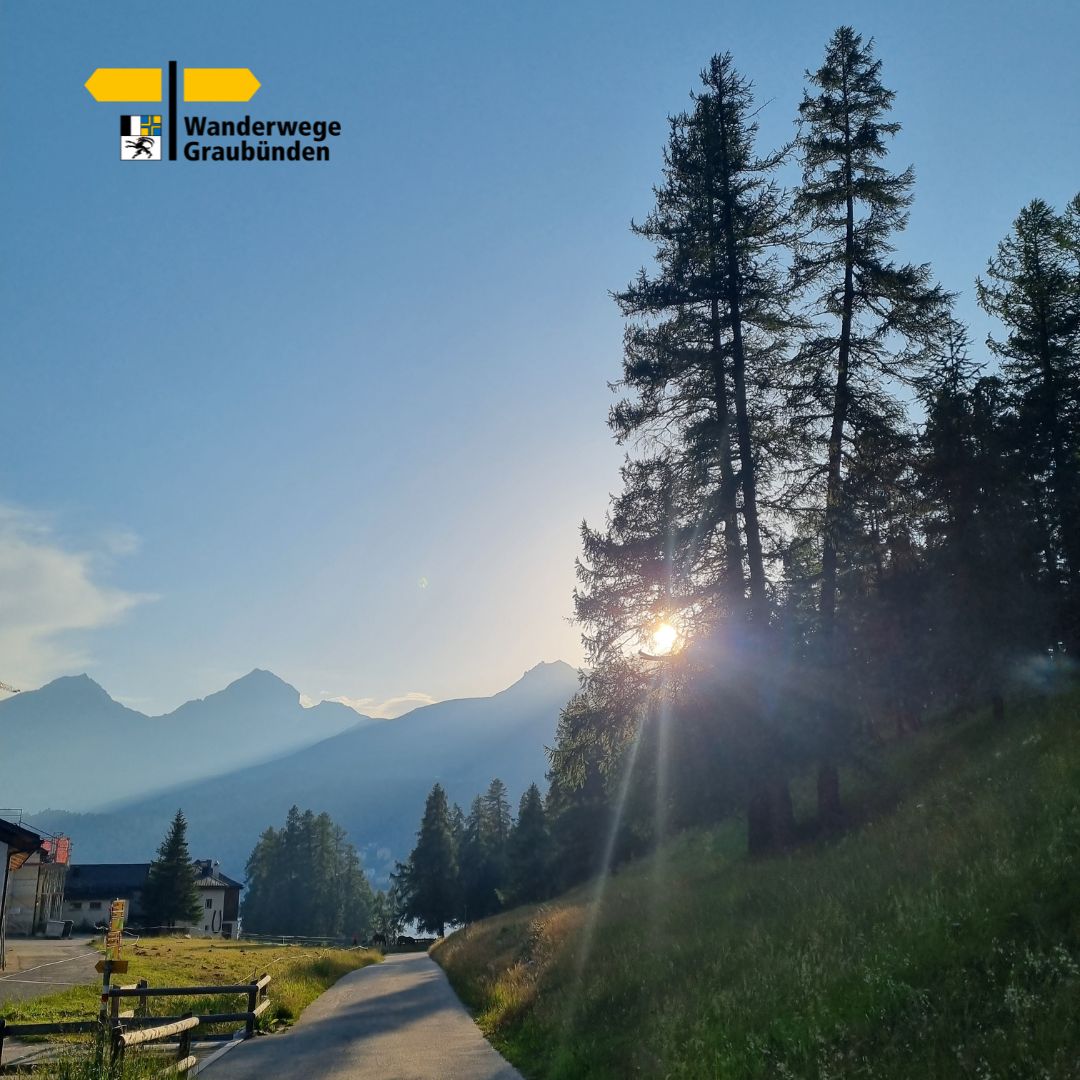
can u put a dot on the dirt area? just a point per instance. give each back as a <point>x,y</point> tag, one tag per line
<point>37,966</point>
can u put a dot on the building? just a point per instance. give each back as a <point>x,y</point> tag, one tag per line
<point>17,844</point>
<point>93,886</point>
<point>221,900</point>
<point>36,890</point>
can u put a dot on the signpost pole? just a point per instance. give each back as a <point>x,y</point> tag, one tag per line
<point>114,936</point>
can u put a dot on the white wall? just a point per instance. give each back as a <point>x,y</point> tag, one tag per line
<point>213,912</point>
<point>84,916</point>
<point>208,924</point>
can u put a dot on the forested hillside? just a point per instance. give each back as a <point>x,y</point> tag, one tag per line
<point>827,825</point>
<point>837,516</point>
<point>937,939</point>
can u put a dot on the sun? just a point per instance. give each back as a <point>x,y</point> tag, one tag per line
<point>663,638</point>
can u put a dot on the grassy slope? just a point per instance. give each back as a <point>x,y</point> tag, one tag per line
<point>299,976</point>
<point>939,940</point>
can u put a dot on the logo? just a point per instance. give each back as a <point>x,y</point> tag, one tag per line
<point>140,137</point>
<point>154,136</point>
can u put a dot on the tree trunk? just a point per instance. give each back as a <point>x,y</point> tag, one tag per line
<point>729,482</point>
<point>828,776</point>
<point>747,471</point>
<point>736,587</point>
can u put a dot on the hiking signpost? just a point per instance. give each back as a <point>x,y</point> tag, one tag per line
<point>113,940</point>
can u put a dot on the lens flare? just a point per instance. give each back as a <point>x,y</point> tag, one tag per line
<point>664,638</point>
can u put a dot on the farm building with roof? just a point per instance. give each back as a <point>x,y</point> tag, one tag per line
<point>92,887</point>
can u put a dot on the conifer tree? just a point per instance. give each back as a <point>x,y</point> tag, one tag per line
<point>170,896</point>
<point>851,206</point>
<point>1033,286</point>
<point>984,600</point>
<point>684,541</point>
<point>387,916</point>
<point>429,881</point>
<point>497,814</point>
<point>306,879</point>
<point>709,330</point>
<point>529,853</point>
<point>483,852</point>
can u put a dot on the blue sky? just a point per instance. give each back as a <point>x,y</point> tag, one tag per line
<point>343,420</point>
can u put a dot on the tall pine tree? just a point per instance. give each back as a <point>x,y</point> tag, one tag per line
<point>170,896</point>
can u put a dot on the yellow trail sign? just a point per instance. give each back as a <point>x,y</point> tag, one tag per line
<point>125,84</point>
<point>219,84</point>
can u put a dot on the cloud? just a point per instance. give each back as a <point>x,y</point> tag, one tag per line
<point>389,709</point>
<point>47,590</point>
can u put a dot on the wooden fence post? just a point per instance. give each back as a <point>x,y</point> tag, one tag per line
<point>117,1056</point>
<point>3,1024</point>
<point>184,1049</point>
<point>143,1008</point>
<point>253,1000</point>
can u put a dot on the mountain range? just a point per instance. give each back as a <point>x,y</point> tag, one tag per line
<point>371,778</point>
<point>71,745</point>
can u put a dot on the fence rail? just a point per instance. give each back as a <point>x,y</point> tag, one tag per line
<point>124,1030</point>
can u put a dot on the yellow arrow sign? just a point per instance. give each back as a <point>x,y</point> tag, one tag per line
<point>125,84</point>
<point>219,84</point>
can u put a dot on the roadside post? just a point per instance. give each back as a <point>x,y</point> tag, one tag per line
<point>112,963</point>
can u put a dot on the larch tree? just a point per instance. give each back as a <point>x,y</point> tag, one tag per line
<point>684,540</point>
<point>873,317</point>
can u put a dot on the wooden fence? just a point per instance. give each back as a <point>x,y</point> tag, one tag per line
<point>135,1027</point>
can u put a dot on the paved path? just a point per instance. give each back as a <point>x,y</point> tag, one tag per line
<point>38,966</point>
<point>398,1020</point>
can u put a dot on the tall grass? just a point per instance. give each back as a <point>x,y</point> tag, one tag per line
<point>940,939</point>
<point>300,974</point>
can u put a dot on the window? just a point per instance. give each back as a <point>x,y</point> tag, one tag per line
<point>210,903</point>
<point>94,905</point>
<point>76,905</point>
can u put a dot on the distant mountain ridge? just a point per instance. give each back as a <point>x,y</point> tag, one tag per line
<point>70,745</point>
<point>372,779</point>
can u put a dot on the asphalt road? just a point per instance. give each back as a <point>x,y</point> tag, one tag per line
<point>398,1020</point>
<point>37,966</point>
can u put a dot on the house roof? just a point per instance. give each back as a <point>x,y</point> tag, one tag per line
<point>210,877</point>
<point>96,880</point>
<point>20,841</point>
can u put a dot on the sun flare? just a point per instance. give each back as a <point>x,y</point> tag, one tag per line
<point>663,638</point>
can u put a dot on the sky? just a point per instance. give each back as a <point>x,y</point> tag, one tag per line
<point>343,420</point>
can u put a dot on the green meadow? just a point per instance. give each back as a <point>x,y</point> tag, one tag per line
<point>939,938</point>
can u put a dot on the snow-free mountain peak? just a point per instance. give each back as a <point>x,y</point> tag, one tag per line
<point>545,676</point>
